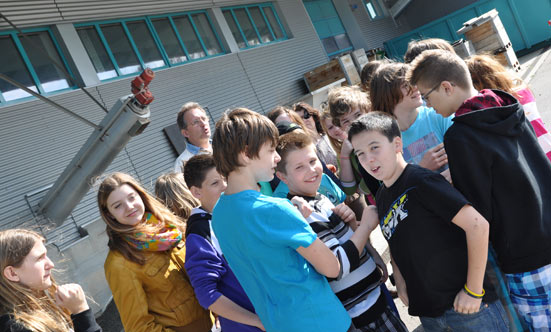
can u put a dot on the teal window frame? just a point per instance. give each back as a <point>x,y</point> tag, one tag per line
<point>26,60</point>
<point>376,7</point>
<point>261,7</point>
<point>149,24</point>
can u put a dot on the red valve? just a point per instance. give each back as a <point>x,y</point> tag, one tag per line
<point>140,89</point>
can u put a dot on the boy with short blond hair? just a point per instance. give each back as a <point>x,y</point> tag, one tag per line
<point>438,241</point>
<point>272,250</point>
<point>213,281</point>
<point>358,285</point>
<point>496,162</point>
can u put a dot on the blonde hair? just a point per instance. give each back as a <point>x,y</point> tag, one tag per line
<point>35,310</point>
<point>171,189</point>
<point>435,66</point>
<point>117,231</point>
<point>345,99</point>
<point>336,144</point>
<point>488,73</point>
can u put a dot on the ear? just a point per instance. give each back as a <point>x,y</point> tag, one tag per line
<point>196,192</point>
<point>243,158</point>
<point>448,87</point>
<point>398,144</point>
<point>282,177</point>
<point>184,133</point>
<point>11,274</point>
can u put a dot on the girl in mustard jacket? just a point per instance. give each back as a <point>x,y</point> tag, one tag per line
<point>145,264</point>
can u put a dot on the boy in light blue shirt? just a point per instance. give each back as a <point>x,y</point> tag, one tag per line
<point>272,250</point>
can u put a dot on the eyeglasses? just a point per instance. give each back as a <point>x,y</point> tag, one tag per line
<point>426,95</point>
<point>306,115</point>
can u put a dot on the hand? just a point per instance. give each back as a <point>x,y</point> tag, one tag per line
<point>434,158</point>
<point>332,168</point>
<point>346,148</point>
<point>303,207</point>
<point>446,174</point>
<point>370,218</point>
<point>465,304</point>
<point>347,215</point>
<point>71,297</point>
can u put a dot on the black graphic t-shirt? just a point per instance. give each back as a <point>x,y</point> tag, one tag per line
<point>415,215</point>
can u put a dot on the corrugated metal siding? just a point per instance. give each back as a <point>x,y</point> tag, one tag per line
<point>378,31</point>
<point>44,12</point>
<point>38,141</point>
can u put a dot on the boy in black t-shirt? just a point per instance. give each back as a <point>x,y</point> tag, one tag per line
<point>438,241</point>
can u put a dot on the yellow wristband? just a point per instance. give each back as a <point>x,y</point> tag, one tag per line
<point>473,294</point>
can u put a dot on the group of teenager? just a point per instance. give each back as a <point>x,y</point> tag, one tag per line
<point>266,227</point>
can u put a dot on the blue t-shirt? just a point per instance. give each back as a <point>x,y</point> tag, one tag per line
<point>327,188</point>
<point>259,236</point>
<point>426,132</point>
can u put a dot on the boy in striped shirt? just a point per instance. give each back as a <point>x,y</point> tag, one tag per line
<point>358,285</point>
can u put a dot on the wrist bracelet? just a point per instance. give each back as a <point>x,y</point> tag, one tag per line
<point>473,294</point>
<point>344,157</point>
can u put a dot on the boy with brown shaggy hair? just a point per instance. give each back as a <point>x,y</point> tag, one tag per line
<point>272,250</point>
<point>496,162</point>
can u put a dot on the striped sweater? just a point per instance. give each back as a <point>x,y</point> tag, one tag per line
<point>526,98</point>
<point>358,284</point>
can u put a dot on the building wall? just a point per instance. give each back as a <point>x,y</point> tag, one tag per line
<point>39,140</point>
<point>420,12</point>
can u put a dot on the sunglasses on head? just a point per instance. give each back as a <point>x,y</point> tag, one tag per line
<point>306,115</point>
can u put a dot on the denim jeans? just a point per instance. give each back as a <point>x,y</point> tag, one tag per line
<point>490,317</point>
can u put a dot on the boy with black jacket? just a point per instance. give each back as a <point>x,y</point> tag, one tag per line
<point>496,162</point>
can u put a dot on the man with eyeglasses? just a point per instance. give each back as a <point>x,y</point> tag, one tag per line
<point>194,126</point>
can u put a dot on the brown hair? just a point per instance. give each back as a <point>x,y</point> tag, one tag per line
<point>368,71</point>
<point>344,99</point>
<point>416,47</point>
<point>336,144</point>
<point>117,231</point>
<point>386,87</point>
<point>35,310</point>
<point>196,169</point>
<point>171,189</point>
<point>488,73</point>
<point>435,66</point>
<point>240,130</point>
<point>307,108</point>
<point>183,110</point>
<point>290,142</point>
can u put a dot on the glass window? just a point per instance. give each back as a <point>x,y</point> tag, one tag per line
<point>120,47</point>
<point>207,33</point>
<point>192,43</point>
<point>51,77</point>
<point>374,9</point>
<point>169,40</point>
<point>12,65</point>
<point>96,51</point>
<point>145,44</point>
<point>258,24</point>
<point>343,42</point>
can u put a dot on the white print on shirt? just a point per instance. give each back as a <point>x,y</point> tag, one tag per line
<point>396,215</point>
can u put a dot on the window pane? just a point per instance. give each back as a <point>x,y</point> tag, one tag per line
<point>206,33</point>
<point>146,45</point>
<point>276,28</point>
<point>234,30</point>
<point>169,40</point>
<point>330,45</point>
<point>261,25</point>
<point>120,47</point>
<point>246,26</point>
<point>13,66</point>
<point>342,41</point>
<point>371,10</point>
<point>96,51</point>
<point>51,77</point>
<point>193,46</point>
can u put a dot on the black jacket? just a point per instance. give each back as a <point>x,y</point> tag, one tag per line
<point>83,322</point>
<point>498,165</point>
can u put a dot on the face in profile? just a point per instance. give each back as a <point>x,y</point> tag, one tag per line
<point>212,187</point>
<point>126,205</point>
<point>265,164</point>
<point>35,271</point>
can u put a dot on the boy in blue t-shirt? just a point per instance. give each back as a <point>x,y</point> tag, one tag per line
<point>272,250</point>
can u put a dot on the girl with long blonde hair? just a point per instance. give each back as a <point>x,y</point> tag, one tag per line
<point>145,264</point>
<point>30,299</point>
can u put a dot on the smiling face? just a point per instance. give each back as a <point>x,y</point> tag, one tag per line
<point>126,205</point>
<point>35,271</point>
<point>348,118</point>
<point>212,187</point>
<point>378,156</point>
<point>303,171</point>
<point>411,98</point>
<point>334,131</point>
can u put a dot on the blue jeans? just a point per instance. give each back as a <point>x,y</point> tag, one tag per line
<point>490,317</point>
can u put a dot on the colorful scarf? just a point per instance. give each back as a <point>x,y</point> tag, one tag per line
<point>167,237</point>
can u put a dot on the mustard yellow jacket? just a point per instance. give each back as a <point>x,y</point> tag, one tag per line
<point>156,296</point>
